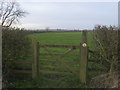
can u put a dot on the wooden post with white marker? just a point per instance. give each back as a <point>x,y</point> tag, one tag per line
<point>83,58</point>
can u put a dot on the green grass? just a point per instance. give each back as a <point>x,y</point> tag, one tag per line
<point>66,38</point>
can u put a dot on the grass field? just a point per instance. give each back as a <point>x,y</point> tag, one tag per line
<point>69,38</point>
<point>59,81</point>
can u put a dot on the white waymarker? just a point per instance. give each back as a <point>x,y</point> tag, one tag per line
<point>84,44</point>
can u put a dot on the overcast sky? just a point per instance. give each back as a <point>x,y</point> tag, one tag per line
<point>68,15</point>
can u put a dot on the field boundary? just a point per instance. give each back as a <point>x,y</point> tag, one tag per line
<point>83,62</point>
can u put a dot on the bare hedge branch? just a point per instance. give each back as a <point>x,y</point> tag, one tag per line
<point>106,39</point>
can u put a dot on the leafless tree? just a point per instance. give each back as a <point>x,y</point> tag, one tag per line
<point>10,12</point>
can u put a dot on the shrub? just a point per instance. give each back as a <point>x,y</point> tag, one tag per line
<point>15,46</point>
<point>106,40</point>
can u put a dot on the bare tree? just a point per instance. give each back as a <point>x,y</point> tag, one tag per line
<point>10,12</point>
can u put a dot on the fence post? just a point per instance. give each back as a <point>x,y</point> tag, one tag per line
<point>35,64</point>
<point>83,57</point>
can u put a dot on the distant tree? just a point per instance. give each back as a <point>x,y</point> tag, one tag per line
<point>47,28</point>
<point>10,12</point>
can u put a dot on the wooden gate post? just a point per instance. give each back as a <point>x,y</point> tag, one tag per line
<point>35,64</point>
<point>83,57</point>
